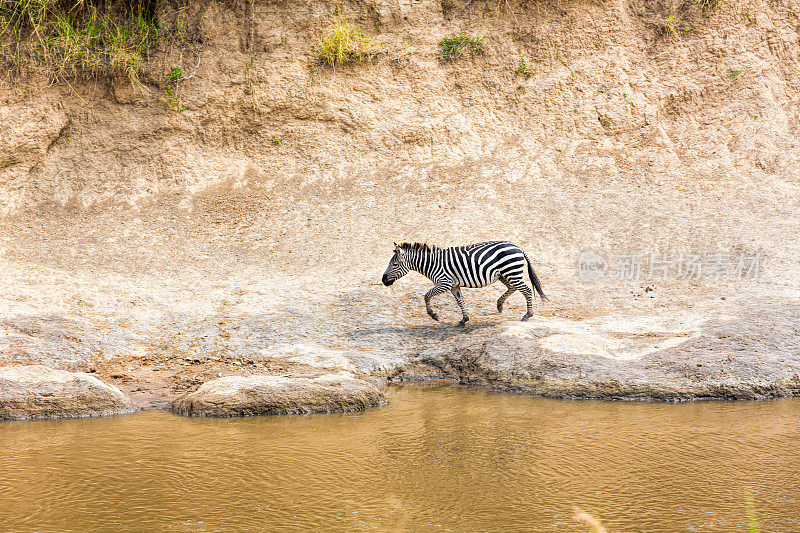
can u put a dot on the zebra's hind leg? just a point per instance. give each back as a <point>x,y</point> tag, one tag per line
<point>504,297</point>
<point>526,291</point>
<point>437,289</point>
<point>460,301</point>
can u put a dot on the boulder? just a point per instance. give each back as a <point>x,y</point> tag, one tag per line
<point>37,391</point>
<point>276,395</point>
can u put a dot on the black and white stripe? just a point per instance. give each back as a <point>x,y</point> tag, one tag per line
<point>475,265</point>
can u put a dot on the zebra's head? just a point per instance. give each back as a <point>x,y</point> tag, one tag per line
<point>398,266</point>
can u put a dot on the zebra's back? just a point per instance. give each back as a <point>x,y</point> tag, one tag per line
<point>481,264</point>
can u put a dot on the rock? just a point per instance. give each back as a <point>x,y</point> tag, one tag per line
<point>752,356</point>
<point>274,395</point>
<point>37,391</point>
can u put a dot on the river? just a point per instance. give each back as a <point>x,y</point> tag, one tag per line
<point>434,459</point>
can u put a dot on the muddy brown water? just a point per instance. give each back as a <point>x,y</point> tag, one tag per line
<point>435,459</point>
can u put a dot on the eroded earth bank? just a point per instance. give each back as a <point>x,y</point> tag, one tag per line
<point>244,231</point>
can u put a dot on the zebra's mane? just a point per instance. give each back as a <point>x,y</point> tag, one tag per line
<point>419,246</point>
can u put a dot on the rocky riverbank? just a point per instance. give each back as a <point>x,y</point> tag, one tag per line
<point>28,392</point>
<point>684,357</point>
<point>278,395</point>
<point>630,354</point>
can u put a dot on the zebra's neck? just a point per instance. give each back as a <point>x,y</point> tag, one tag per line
<point>425,262</point>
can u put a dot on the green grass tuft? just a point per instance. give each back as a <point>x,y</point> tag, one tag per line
<point>525,69</point>
<point>343,44</point>
<point>170,95</point>
<point>458,45</point>
<point>174,75</point>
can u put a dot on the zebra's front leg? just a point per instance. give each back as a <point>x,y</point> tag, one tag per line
<point>436,290</point>
<point>460,301</point>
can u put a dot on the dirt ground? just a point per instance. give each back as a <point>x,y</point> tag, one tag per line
<point>161,249</point>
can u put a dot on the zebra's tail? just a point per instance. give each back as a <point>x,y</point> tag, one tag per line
<point>534,279</point>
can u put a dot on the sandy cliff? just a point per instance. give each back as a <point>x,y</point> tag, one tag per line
<point>247,232</point>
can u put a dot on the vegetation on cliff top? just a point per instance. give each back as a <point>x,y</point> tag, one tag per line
<point>69,38</point>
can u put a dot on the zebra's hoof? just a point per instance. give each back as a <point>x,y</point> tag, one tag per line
<point>499,308</point>
<point>462,323</point>
<point>434,316</point>
<point>525,318</point>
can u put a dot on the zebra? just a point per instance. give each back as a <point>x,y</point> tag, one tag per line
<point>475,265</point>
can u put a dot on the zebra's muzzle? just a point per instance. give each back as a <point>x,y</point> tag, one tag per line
<point>386,281</point>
